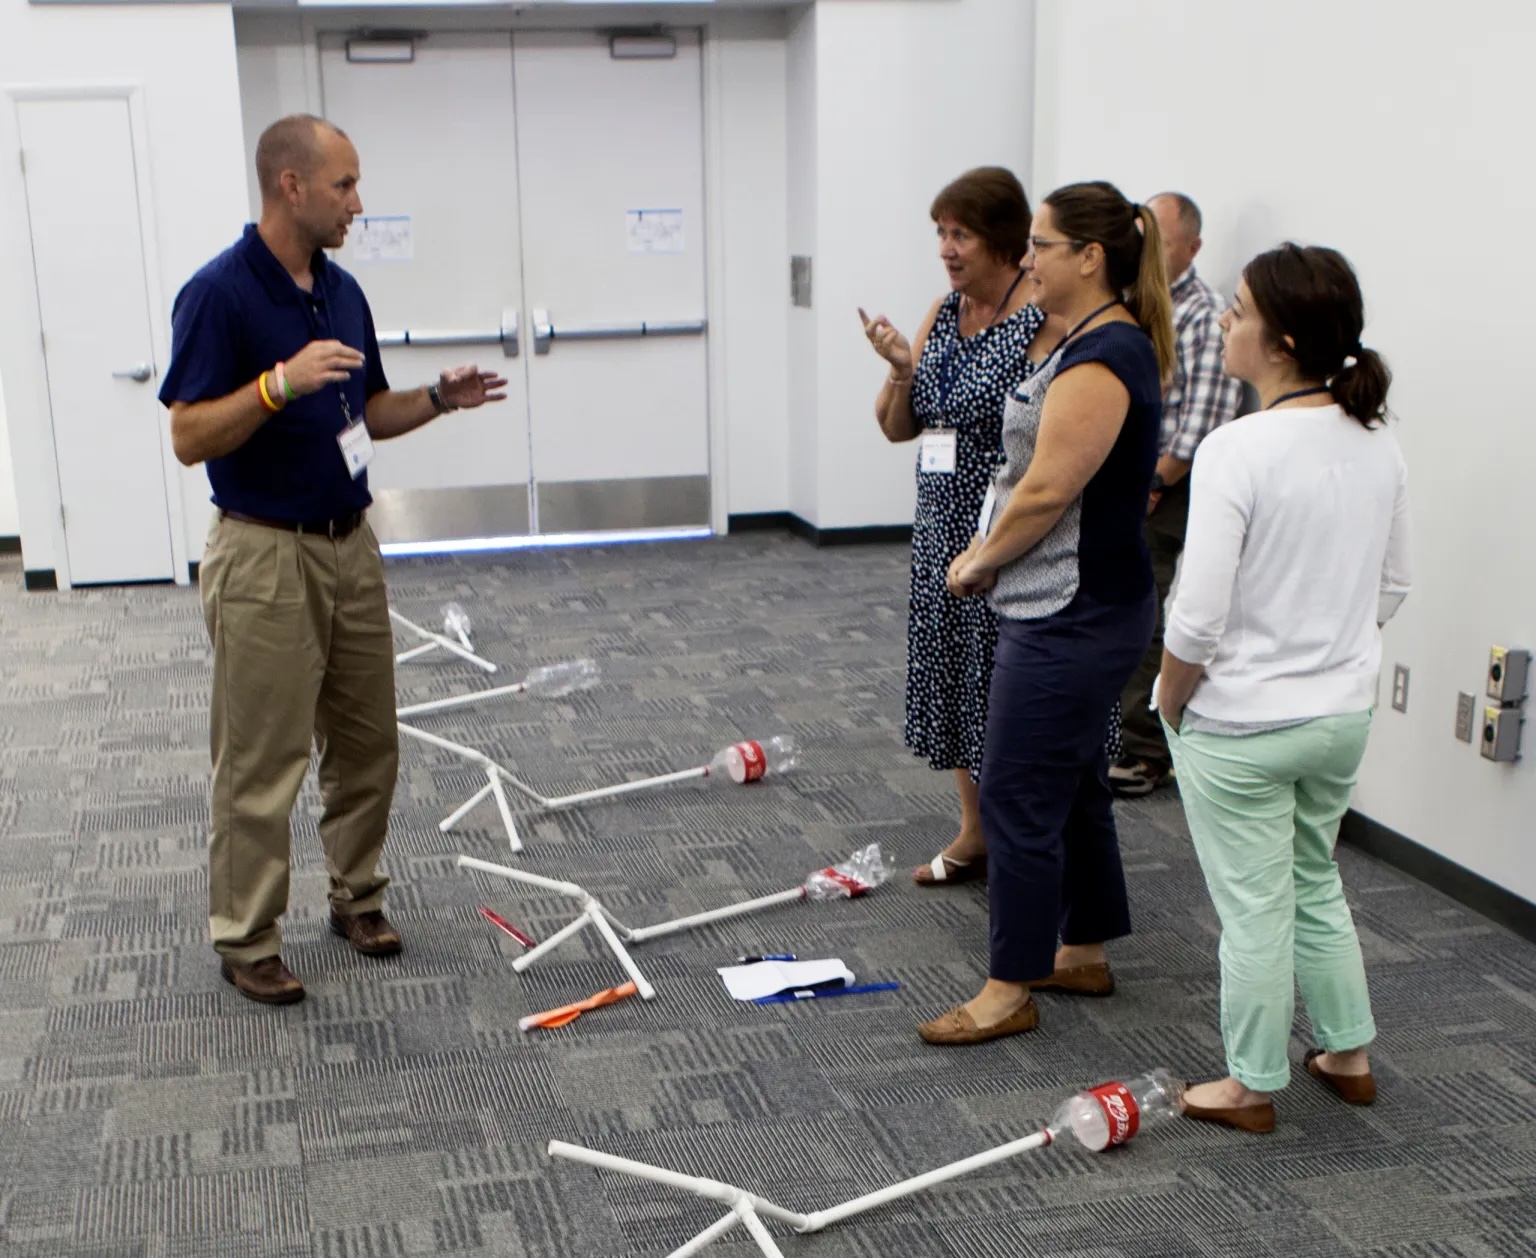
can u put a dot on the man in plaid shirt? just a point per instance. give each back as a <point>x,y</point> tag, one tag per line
<point>1199,399</point>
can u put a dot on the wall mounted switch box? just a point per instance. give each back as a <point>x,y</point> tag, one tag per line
<point>1501,733</point>
<point>1508,670</point>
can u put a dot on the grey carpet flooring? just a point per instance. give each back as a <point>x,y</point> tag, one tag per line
<point>145,1110</point>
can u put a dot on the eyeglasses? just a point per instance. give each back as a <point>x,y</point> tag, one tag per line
<point>1037,243</point>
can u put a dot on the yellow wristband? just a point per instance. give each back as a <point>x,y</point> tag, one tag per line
<point>266,398</point>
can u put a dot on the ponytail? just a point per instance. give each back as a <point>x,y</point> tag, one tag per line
<point>1149,299</point>
<point>1360,387</point>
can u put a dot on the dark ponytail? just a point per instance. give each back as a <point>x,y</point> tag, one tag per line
<point>1361,385</point>
<point>1099,213</point>
<point>1309,298</point>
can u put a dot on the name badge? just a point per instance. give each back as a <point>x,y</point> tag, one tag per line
<point>984,519</point>
<point>937,452</point>
<point>356,448</point>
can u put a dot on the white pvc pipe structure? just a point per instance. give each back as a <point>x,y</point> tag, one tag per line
<point>614,932</point>
<point>492,786</point>
<point>432,641</point>
<point>749,1210</point>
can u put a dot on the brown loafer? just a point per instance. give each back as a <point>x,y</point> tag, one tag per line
<point>268,980</point>
<point>1355,1089</point>
<point>368,933</point>
<point>957,1026</point>
<point>1254,1118</point>
<point>1079,980</point>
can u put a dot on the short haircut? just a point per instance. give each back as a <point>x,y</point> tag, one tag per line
<point>291,143</point>
<point>990,202</point>
<point>1189,212</point>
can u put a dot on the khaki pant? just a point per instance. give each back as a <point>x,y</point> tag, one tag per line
<point>302,651</point>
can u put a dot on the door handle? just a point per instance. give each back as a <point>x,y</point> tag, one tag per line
<point>544,330</point>
<point>140,372</point>
<point>509,332</point>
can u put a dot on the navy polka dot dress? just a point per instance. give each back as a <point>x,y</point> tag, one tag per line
<point>961,383</point>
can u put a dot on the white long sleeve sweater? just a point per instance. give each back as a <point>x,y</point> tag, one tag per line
<point>1297,549</point>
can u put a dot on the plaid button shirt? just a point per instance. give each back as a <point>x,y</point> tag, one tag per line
<point>1202,396</point>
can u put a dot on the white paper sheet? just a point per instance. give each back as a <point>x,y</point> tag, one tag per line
<point>383,238</point>
<point>765,978</point>
<point>654,231</point>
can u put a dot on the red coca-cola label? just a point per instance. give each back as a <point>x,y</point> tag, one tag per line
<point>753,762</point>
<point>847,882</point>
<point>1120,1109</point>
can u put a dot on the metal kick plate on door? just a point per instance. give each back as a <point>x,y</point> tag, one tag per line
<point>800,281</point>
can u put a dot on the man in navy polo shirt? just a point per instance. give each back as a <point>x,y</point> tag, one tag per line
<point>276,384</point>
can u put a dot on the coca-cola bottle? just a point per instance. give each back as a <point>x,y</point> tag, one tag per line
<point>1112,1113</point>
<point>555,681</point>
<point>752,759</point>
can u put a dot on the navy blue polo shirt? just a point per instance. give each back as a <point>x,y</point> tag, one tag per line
<point>241,315</point>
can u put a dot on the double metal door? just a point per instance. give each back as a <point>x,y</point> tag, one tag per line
<point>534,204</point>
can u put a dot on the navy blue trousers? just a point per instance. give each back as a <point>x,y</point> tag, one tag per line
<point>1053,857</point>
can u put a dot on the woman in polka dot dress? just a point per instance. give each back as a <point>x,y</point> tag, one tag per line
<point>949,388</point>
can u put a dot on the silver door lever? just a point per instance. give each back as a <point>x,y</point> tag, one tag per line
<point>140,373</point>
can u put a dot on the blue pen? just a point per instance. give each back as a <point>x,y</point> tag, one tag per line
<point>772,956</point>
<point>782,998</point>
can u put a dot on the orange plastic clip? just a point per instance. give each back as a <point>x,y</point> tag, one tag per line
<point>552,1018</point>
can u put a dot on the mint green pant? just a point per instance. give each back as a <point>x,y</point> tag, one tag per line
<point>1264,812</point>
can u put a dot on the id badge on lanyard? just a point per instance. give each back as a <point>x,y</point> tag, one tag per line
<point>356,445</point>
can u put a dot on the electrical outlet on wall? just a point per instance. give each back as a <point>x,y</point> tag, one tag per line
<point>1466,714</point>
<point>1400,688</point>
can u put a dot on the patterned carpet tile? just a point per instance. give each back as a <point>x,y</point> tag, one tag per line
<point>147,1112</point>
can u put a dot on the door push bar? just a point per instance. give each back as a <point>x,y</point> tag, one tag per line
<point>544,331</point>
<point>505,336</point>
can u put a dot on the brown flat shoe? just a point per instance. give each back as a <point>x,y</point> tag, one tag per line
<point>945,871</point>
<point>268,980</point>
<point>368,933</point>
<point>957,1027</point>
<point>1356,1089</point>
<point>1255,1118</point>
<point>1079,980</point>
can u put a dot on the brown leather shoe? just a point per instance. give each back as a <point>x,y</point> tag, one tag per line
<point>957,1026</point>
<point>1255,1118</point>
<point>268,980</point>
<point>1356,1089</point>
<point>368,933</point>
<point>1079,980</point>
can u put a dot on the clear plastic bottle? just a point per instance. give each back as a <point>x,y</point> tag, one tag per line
<point>555,681</point>
<point>865,870</point>
<point>1112,1113</point>
<point>752,759</point>
<point>456,624</point>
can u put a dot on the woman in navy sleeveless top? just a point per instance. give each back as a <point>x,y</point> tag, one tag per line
<point>1059,552</point>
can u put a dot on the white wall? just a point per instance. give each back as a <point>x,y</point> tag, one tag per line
<point>183,57</point>
<point>908,94</point>
<point>10,517</point>
<point>751,256</point>
<point>800,366</point>
<point>1396,141</point>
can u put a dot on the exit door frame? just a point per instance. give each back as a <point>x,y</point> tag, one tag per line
<point>36,447</point>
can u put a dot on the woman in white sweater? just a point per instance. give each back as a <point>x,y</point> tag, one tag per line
<point>1296,555</point>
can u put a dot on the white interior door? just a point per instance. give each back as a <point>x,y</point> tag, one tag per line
<point>619,420</point>
<point>93,302</point>
<point>440,261</point>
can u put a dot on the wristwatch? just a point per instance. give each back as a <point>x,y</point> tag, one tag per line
<point>435,396</point>
<point>1158,483</point>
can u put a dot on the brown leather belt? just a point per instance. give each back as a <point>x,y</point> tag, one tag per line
<point>336,529</point>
